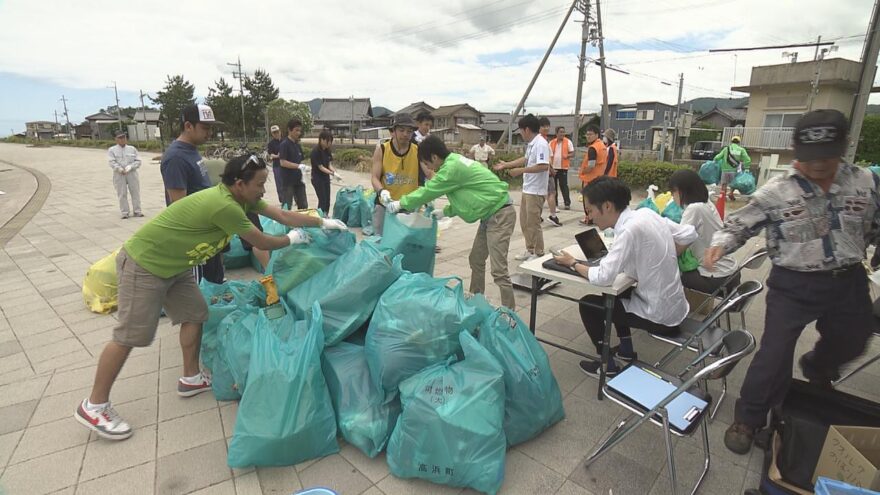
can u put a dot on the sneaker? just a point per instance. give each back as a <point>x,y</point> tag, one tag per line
<point>591,368</point>
<point>738,438</point>
<point>188,390</point>
<point>525,256</point>
<point>138,214</point>
<point>626,358</point>
<point>555,221</point>
<point>106,422</point>
<point>566,207</point>
<point>816,379</point>
<point>124,216</point>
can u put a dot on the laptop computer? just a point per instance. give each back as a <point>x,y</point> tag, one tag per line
<point>591,245</point>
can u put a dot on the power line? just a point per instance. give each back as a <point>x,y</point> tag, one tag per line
<point>772,47</point>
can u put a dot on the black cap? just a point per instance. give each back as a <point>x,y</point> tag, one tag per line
<point>820,134</point>
<point>198,113</point>
<point>403,120</point>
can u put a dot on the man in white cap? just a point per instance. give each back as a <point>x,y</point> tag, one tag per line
<point>273,148</point>
<point>184,172</point>
<point>124,161</point>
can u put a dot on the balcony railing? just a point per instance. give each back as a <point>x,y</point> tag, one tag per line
<point>766,138</point>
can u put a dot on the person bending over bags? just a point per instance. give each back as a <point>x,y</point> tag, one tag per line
<point>154,268</point>
<point>475,193</point>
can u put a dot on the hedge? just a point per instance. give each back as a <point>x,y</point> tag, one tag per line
<point>640,175</point>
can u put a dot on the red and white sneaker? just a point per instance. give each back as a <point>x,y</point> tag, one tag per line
<point>106,422</point>
<point>186,389</point>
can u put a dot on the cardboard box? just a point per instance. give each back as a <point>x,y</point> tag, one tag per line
<point>851,454</point>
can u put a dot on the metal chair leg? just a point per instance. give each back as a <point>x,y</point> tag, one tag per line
<point>727,317</point>
<point>670,454</point>
<point>856,370</point>
<point>706,457</point>
<point>619,433</point>
<point>720,399</point>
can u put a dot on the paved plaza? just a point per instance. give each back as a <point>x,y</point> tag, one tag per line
<point>64,203</point>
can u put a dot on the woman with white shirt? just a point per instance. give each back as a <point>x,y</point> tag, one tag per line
<point>689,191</point>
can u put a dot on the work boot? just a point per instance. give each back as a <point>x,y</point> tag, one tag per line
<point>738,438</point>
<point>815,378</point>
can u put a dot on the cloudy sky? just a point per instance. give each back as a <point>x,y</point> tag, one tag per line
<point>443,52</point>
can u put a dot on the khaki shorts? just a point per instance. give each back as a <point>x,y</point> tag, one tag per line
<point>142,296</point>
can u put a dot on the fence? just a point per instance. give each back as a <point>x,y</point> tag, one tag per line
<point>766,138</point>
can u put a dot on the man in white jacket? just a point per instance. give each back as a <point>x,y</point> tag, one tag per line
<point>124,161</point>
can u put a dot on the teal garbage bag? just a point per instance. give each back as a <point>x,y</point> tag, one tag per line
<point>285,415</point>
<point>648,203</point>
<point>362,417</point>
<point>672,212</point>
<point>532,399</point>
<point>344,198</point>
<point>272,227</point>
<point>292,265</point>
<point>451,429</point>
<point>236,336</point>
<point>414,235</point>
<point>354,206</point>
<point>710,172</point>
<point>236,257</point>
<point>348,290</point>
<point>875,168</point>
<point>224,299</point>
<point>744,182</point>
<point>415,325</point>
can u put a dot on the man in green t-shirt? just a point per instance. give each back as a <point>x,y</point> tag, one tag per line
<point>154,269</point>
<point>474,193</point>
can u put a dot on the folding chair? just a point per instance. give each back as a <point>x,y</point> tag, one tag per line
<point>697,335</point>
<point>753,262</point>
<point>733,346</point>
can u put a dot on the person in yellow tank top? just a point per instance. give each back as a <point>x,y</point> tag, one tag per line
<point>395,167</point>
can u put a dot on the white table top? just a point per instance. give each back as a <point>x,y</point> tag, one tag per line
<point>535,268</point>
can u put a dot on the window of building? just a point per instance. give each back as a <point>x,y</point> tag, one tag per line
<point>781,119</point>
<point>645,115</point>
<point>640,135</point>
<point>626,114</point>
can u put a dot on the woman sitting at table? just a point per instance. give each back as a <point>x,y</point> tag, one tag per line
<point>691,194</point>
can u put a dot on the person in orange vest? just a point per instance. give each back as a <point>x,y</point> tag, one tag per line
<point>611,145</point>
<point>595,163</point>
<point>560,160</point>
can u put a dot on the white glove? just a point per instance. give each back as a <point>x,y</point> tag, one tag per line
<point>385,197</point>
<point>128,169</point>
<point>337,177</point>
<point>298,236</point>
<point>438,214</point>
<point>306,169</point>
<point>333,224</point>
<point>392,207</point>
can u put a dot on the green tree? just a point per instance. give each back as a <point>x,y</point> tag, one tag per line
<point>703,132</point>
<point>869,141</point>
<point>226,107</point>
<point>281,110</point>
<point>259,92</point>
<point>177,94</point>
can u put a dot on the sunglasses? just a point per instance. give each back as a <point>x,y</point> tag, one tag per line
<point>253,159</point>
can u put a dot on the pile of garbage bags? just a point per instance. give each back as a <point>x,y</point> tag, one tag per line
<point>744,181</point>
<point>383,357</point>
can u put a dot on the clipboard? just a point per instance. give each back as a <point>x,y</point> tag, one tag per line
<point>648,389</point>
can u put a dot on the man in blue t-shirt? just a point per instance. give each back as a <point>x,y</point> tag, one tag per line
<point>290,154</point>
<point>184,172</point>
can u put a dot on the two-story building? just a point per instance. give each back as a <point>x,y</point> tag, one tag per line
<point>344,116</point>
<point>457,123</point>
<point>780,94</point>
<point>103,125</point>
<point>639,126</point>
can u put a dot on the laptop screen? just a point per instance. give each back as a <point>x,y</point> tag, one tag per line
<point>591,244</point>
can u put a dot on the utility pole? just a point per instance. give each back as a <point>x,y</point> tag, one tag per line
<point>584,8</point>
<point>66,117</point>
<point>57,125</point>
<point>240,76</point>
<point>818,40</point>
<point>540,67</point>
<point>663,135</point>
<point>118,113</point>
<point>815,85</point>
<point>144,115</point>
<point>678,121</point>
<point>606,118</point>
<point>351,119</point>
<point>866,81</point>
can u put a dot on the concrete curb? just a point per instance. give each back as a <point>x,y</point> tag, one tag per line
<point>30,208</point>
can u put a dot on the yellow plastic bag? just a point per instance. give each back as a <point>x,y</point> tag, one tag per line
<point>100,285</point>
<point>662,199</point>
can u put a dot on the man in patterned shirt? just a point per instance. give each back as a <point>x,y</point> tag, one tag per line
<point>819,219</point>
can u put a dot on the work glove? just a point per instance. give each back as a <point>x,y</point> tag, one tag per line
<point>306,169</point>
<point>128,169</point>
<point>438,214</point>
<point>298,236</point>
<point>385,197</point>
<point>333,224</point>
<point>392,207</point>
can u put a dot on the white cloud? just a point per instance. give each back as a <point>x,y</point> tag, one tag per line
<point>400,52</point>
